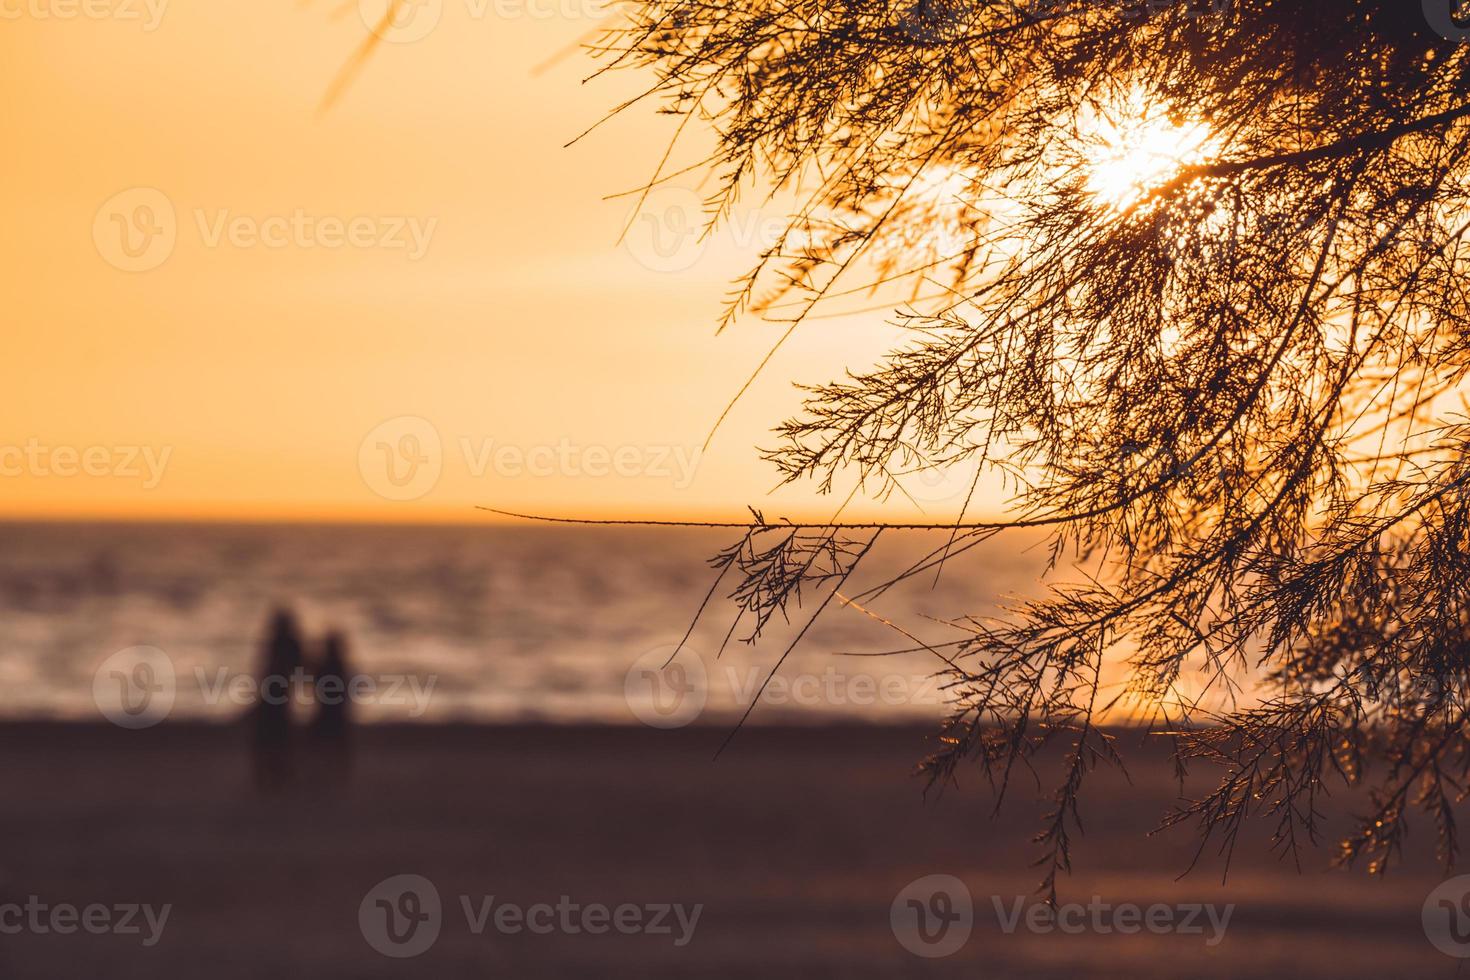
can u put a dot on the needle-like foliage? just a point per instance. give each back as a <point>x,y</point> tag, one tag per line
<point>1233,383</point>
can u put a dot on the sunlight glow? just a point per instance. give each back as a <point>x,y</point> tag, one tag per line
<point>1131,149</point>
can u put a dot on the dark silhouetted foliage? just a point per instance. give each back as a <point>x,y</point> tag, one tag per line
<point>1234,387</point>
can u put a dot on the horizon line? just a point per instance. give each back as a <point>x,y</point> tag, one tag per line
<point>474,516</point>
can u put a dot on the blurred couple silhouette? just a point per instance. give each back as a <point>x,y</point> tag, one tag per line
<point>286,668</point>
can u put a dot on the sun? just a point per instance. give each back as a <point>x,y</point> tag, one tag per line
<point>1130,149</point>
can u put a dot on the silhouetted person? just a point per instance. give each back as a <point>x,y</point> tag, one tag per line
<point>331,729</point>
<point>281,660</point>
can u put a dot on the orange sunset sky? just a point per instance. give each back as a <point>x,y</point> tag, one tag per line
<point>226,303</point>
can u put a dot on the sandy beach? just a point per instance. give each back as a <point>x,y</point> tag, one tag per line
<point>792,845</point>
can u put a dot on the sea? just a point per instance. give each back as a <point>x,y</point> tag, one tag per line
<point>489,624</point>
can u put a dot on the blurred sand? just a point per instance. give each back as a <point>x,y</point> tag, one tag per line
<point>795,841</point>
